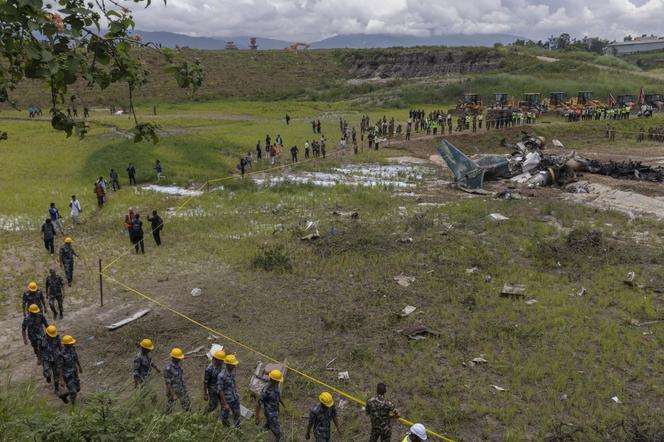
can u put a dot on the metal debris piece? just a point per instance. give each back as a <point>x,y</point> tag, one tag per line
<point>213,349</point>
<point>498,388</point>
<point>531,301</point>
<point>557,143</point>
<point>343,375</point>
<point>616,400</point>
<point>471,270</point>
<point>578,187</point>
<point>513,290</point>
<point>479,360</point>
<point>311,224</point>
<point>311,236</point>
<point>407,310</point>
<point>245,412</point>
<point>629,279</point>
<point>404,281</point>
<point>261,376</point>
<point>194,351</point>
<point>351,214</point>
<point>498,217</point>
<point>406,240</point>
<point>139,314</point>
<point>98,363</point>
<point>196,292</point>
<point>417,332</point>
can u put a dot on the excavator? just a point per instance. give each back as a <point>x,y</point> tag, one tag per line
<point>298,46</point>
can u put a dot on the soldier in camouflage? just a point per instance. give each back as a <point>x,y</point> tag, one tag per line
<point>210,380</point>
<point>55,292</point>
<point>33,296</point>
<point>227,390</point>
<point>175,384</point>
<point>320,417</point>
<point>270,399</point>
<point>143,364</point>
<point>69,367</point>
<point>67,254</point>
<point>33,325</point>
<point>381,412</point>
<point>50,350</point>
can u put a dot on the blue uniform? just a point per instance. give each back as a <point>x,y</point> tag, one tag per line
<point>270,398</point>
<point>67,363</point>
<point>320,418</point>
<point>210,382</point>
<point>226,386</point>
<point>174,376</point>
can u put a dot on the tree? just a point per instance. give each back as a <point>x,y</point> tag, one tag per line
<point>63,43</point>
<point>563,41</point>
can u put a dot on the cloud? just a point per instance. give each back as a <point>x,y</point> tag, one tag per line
<point>312,20</point>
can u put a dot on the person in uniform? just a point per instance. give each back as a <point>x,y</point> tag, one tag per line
<point>67,254</point>
<point>320,417</point>
<point>381,412</point>
<point>50,351</point>
<point>143,364</point>
<point>32,329</point>
<point>32,296</point>
<point>176,387</point>
<point>210,380</point>
<point>227,391</point>
<point>55,292</point>
<point>69,367</point>
<point>270,399</point>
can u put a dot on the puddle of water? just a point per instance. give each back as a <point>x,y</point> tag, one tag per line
<point>172,190</point>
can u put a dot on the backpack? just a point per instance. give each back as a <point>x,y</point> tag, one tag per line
<point>136,226</point>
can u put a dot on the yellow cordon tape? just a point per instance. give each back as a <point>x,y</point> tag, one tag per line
<point>259,353</point>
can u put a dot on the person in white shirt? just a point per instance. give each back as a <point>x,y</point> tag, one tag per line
<point>75,209</point>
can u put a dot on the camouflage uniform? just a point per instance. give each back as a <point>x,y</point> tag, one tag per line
<point>67,259</point>
<point>67,363</point>
<point>50,350</point>
<point>142,366</point>
<point>30,298</point>
<point>320,418</point>
<point>270,398</point>
<point>226,386</point>
<point>34,324</point>
<point>380,410</point>
<point>210,382</point>
<point>54,287</point>
<point>174,376</point>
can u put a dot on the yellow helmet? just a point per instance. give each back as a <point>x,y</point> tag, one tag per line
<point>68,340</point>
<point>177,353</point>
<point>34,308</point>
<point>51,331</point>
<point>326,399</point>
<point>33,286</point>
<point>220,355</point>
<point>147,344</point>
<point>68,240</point>
<point>277,375</point>
<point>231,360</point>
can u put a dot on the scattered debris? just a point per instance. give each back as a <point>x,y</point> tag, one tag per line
<point>417,332</point>
<point>261,376</point>
<point>629,279</point>
<point>213,349</point>
<point>194,351</point>
<point>498,388</point>
<point>487,278</point>
<point>616,400</point>
<point>508,194</point>
<point>311,236</point>
<point>343,403</point>
<point>407,310</point>
<point>139,314</point>
<point>404,281</point>
<point>563,397</point>
<point>497,217</point>
<point>531,301</point>
<point>406,240</point>
<point>637,323</point>
<point>327,366</point>
<point>578,187</point>
<point>98,363</point>
<point>196,292</point>
<point>343,375</point>
<point>172,190</point>
<point>513,290</point>
<point>557,143</point>
<point>581,292</point>
<point>351,215</point>
<point>245,412</point>
<point>311,224</point>
<point>471,270</point>
<point>479,360</point>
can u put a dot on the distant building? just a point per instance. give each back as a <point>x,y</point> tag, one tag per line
<point>636,45</point>
<point>231,46</point>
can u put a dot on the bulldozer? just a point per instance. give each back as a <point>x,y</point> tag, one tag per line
<point>557,99</point>
<point>583,100</point>
<point>470,103</point>
<point>502,100</point>
<point>626,100</point>
<point>298,46</point>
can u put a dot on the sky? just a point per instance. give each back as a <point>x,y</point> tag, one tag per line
<point>313,20</point>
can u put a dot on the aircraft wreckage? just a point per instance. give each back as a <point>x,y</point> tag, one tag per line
<point>529,165</point>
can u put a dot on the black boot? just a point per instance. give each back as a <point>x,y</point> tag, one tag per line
<point>48,379</point>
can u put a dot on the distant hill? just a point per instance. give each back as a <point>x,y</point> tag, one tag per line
<point>172,39</point>
<point>351,41</point>
<point>362,41</point>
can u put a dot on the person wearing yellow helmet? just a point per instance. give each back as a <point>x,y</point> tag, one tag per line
<point>67,254</point>
<point>227,390</point>
<point>55,292</point>
<point>70,368</point>
<point>143,364</point>
<point>176,388</point>
<point>320,417</point>
<point>33,295</point>
<point>32,329</point>
<point>50,351</point>
<point>210,380</point>
<point>269,399</point>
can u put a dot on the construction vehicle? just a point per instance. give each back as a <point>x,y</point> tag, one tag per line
<point>655,100</point>
<point>501,100</point>
<point>626,100</point>
<point>298,46</point>
<point>532,100</point>
<point>471,103</point>
<point>557,99</point>
<point>584,97</point>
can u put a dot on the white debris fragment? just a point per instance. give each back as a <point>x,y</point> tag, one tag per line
<point>498,388</point>
<point>213,349</point>
<point>404,281</point>
<point>343,375</point>
<point>407,310</point>
<point>557,143</point>
<point>616,400</point>
<point>497,217</point>
<point>531,301</point>
<point>196,292</point>
<point>172,190</point>
<point>471,270</point>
